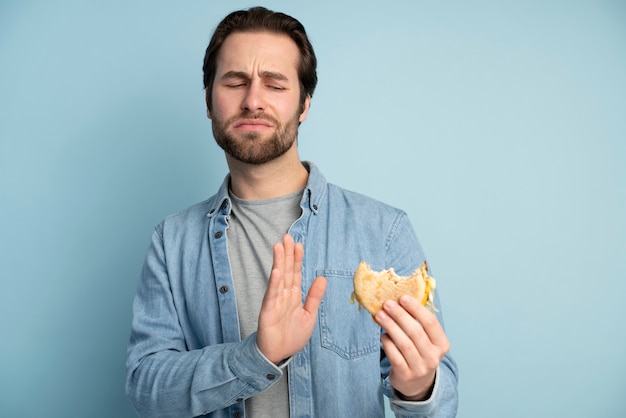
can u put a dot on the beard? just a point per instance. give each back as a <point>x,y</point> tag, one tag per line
<point>251,147</point>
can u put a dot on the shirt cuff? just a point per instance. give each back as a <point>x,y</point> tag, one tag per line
<point>408,407</point>
<point>252,367</point>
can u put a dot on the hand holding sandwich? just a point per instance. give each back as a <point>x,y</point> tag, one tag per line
<point>414,340</point>
<point>415,343</point>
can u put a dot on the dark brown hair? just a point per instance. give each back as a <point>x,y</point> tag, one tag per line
<point>259,19</point>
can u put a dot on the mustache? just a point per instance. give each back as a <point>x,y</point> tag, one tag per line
<point>251,115</point>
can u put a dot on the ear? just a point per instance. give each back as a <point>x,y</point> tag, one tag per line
<point>206,100</point>
<point>305,108</point>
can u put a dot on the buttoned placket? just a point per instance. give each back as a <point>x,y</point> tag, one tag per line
<point>300,390</point>
<point>218,225</point>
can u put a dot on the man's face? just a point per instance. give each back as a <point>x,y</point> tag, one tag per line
<point>256,96</point>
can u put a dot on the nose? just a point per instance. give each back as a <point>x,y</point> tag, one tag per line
<point>254,100</point>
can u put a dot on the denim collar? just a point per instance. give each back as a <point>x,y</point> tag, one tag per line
<point>311,198</point>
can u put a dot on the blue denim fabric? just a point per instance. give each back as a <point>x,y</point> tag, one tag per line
<point>186,358</point>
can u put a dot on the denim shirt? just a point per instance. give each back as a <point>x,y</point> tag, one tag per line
<point>186,357</point>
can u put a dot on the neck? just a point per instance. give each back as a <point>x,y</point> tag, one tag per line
<point>279,177</point>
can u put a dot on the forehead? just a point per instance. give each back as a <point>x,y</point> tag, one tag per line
<point>258,51</point>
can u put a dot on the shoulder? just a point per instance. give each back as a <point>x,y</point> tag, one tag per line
<point>199,213</point>
<point>192,218</point>
<point>196,211</point>
<point>339,196</point>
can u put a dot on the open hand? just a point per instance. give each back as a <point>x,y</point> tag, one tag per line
<point>285,323</point>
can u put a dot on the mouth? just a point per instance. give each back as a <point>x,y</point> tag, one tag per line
<point>252,124</point>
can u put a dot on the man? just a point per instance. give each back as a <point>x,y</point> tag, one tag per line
<point>243,306</point>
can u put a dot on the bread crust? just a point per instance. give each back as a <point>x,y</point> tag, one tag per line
<point>373,288</point>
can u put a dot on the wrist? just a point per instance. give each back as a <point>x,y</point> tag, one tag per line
<point>421,395</point>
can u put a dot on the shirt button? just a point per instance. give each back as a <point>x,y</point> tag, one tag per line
<point>270,376</point>
<point>218,234</point>
<point>238,414</point>
<point>223,289</point>
<point>314,207</point>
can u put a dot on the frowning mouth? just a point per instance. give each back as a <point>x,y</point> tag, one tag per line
<point>252,124</point>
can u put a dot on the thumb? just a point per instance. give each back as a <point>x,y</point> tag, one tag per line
<point>315,295</point>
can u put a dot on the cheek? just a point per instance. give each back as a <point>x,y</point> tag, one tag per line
<point>221,103</point>
<point>291,109</point>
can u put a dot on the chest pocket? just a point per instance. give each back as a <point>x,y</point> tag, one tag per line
<point>345,328</point>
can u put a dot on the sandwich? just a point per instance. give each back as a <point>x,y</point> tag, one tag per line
<point>373,288</point>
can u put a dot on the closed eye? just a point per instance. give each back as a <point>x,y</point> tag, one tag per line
<point>235,79</point>
<point>275,80</point>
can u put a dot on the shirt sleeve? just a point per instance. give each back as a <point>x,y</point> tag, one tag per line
<point>443,402</point>
<point>405,253</point>
<point>165,379</point>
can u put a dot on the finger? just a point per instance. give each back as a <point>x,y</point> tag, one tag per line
<point>289,260</point>
<point>402,329</point>
<point>276,282</point>
<point>431,325</point>
<point>297,265</point>
<point>395,357</point>
<point>315,295</point>
<point>422,340</point>
<point>394,318</point>
<point>421,325</point>
<point>405,314</point>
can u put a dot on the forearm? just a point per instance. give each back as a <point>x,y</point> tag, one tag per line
<point>178,384</point>
<point>171,372</point>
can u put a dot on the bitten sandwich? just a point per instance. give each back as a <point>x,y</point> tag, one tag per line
<point>373,288</point>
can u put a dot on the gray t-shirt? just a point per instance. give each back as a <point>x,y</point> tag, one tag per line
<point>254,227</point>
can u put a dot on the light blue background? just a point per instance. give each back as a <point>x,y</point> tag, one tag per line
<point>499,126</point>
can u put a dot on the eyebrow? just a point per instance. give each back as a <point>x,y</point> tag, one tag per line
<point>265,74</point>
